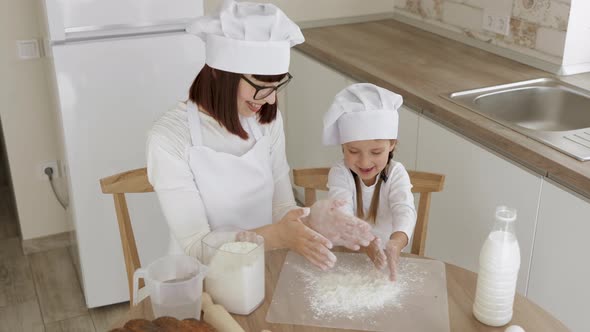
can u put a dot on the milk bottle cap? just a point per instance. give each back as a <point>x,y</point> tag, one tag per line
<point>505,213</point>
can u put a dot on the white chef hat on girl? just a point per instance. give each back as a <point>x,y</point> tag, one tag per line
<point>248,38</point>
<point>362,112</point>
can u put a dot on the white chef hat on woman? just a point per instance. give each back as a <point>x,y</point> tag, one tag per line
<point>362,112</point>
<point>248,38</point>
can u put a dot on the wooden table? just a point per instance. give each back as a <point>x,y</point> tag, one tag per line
<point>461,292</point>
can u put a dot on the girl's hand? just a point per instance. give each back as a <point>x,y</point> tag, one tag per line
<point>393,249</point>
<point>340,228</point>
<point>305,241</point>
<point>375,253</point>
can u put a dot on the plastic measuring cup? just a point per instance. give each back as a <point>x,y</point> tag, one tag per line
<point>174,285</point>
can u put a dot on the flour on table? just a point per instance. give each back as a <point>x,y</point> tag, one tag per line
<point>358,290</point>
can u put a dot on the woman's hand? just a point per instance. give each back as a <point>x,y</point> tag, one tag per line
<point>338,227</point>
<point>375,253</point>
<point>294,234</point>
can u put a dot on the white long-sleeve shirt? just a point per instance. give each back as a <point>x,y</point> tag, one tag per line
<point>396,210</point>
<point>170,174</point>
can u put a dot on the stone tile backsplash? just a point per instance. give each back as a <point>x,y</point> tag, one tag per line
<point>537,27</point>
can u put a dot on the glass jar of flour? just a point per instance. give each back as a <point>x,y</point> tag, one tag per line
<point>235,278</point>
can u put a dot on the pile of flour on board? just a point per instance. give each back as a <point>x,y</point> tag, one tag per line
<point>358,290</point>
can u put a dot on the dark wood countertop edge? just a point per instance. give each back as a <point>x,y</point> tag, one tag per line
<point>455,118</point>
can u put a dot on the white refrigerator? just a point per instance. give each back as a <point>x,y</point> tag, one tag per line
<point>117,66</point>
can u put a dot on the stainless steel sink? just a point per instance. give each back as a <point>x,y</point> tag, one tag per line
<point>545,109</point>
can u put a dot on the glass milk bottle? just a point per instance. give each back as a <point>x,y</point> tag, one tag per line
<point>499,262</point>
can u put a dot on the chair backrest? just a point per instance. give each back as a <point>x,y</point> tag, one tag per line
<point>312,179</point>
<point>118,185</point>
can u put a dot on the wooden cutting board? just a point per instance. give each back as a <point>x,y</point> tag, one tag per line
<point>354,295</point>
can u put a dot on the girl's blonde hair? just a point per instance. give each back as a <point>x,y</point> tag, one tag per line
<point>372,215</point>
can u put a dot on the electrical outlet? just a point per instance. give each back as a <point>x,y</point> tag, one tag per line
<point>503,25</point>
<point>44,165</point>
<point>496,23</point>
<point>28,49</point>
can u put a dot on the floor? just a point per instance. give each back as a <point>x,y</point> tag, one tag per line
<point>41,291</point>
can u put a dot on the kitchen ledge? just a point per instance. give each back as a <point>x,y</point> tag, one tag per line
<point>421,66</point>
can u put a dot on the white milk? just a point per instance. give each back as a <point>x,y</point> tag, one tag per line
<point>499,262</point>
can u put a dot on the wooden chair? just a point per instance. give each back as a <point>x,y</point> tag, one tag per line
<point>312,179</point>
<point>134,181</point>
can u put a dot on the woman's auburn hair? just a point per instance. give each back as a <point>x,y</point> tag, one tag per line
<point>216,91</point>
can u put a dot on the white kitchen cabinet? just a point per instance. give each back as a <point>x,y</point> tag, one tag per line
<point>477,180</point>
<point>309,96</point>
<point>560,268</point>
<point>407,141</point>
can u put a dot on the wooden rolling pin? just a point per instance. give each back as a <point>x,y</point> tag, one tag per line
<point>218,317</point>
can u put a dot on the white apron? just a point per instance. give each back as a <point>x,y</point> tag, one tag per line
<point>236,190</point>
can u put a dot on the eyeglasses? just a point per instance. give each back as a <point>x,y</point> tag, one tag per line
<point>265,91</point>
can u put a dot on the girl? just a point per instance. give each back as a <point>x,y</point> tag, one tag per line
<point>364,120</point>
<point>219,158</point>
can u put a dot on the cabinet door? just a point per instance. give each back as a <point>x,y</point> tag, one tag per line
<point>309,96</point>
<point>462,215</point>
<point>560,268</point>
<point>407,139</point>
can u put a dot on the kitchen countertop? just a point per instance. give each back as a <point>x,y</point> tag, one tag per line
<point>580,80</point>
<point>421,66</point>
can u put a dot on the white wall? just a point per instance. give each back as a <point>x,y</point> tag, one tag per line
<point>28,121</point>
<point>308,10</point>
<point>577,48</point>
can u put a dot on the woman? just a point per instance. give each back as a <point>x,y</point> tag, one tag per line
<point>219,159</point>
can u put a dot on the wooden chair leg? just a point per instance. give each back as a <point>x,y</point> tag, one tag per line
<point>127,237</point>
<point>419,242</point>
<point>310,196</point>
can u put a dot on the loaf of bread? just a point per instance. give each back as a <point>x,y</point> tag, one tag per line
<point>165,324</point>
<point>141,325</point>
<point>171,324</point>
<point>197,325</point>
